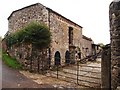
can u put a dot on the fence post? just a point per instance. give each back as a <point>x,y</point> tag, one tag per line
<point>77,72</point>
<point>57,71</point>
<point>31,57</point>
<point>106,68</point>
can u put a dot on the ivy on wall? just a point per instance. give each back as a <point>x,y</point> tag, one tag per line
<point>34,33</point>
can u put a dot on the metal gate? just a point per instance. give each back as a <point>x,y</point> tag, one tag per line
<point>87,75</point>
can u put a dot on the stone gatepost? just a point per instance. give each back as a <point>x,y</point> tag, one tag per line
<point>114,16</point>
<point>106,68</point>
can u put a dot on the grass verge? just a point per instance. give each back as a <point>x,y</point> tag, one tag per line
<point>11,62</point>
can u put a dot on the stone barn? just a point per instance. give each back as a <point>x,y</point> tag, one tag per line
<point>66,36</point>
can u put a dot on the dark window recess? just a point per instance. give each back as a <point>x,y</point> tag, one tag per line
<point>70,35</point>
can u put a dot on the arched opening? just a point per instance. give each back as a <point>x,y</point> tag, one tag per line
<point>57,58</point>
<point>67,57</point>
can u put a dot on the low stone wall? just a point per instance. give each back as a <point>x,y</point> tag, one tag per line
<point>30,57</point>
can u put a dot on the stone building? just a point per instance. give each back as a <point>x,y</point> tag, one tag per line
<point>67,38</point>
<point>87,46</point>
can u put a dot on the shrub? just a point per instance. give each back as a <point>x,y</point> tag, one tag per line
<point>35,33</point>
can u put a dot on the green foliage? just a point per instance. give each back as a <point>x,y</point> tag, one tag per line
<point>11,62</point>
<point>34,33</point>
<point>10,40</point>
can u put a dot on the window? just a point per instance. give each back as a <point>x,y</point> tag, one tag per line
<point>70,35</point>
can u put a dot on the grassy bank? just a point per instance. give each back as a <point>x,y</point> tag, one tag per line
<point>11,62</point>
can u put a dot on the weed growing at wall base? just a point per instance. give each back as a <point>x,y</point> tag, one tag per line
<point>11,62</point>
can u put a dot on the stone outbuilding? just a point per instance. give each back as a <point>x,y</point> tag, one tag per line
<point>66,36</point>
<point>87,46</point>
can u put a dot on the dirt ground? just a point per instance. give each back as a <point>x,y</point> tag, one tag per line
<point>53,81</point>
<point>43,79</point>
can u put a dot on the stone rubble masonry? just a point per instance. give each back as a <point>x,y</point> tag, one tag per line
<point>60,37</point>
<point>19,18</point>
<point>58,25</point>
<point>87,48</point>
<point>114,16</point>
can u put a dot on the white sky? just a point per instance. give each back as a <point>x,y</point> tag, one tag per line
<point>92,15</point>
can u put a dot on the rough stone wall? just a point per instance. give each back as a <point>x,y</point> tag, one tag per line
<point>20,18</point>
<point>39,60</point>
<point>114,15</point>
<point>59,28</point>
<point>86,46</point>
<point>22,53</point>
<point>3,44</point>
<point>17,20</point>
<point>77,37</point>
<point>30,57</point>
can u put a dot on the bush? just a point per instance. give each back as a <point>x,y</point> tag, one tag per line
<point>34,33</point>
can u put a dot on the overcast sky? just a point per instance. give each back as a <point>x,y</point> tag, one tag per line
<point>92,15</point>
